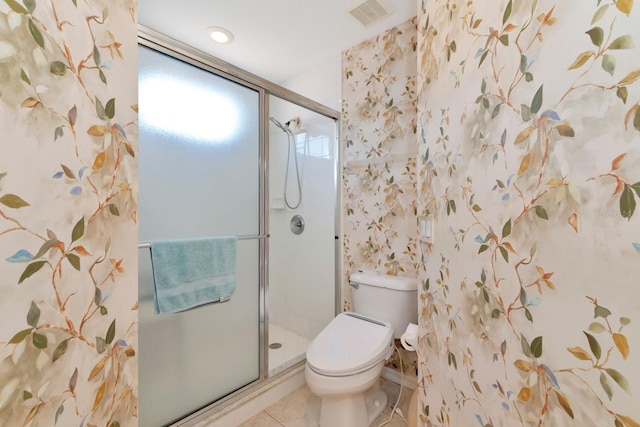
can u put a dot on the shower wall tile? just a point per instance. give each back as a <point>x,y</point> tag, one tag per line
<point>529,141</point>
<point>68,203</point>
<point>301,273</point>
<point>316,173</point>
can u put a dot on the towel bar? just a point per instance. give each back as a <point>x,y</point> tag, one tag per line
<point>147,245</point>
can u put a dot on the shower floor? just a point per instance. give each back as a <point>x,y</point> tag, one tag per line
<point>292,350</point>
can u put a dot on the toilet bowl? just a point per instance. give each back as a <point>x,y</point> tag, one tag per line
<point>343,367</point>
<point>345,360</point>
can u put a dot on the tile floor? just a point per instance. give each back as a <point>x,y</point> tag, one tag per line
<point>302,409</point>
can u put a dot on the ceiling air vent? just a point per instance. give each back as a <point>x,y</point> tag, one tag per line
<point>368,12</point>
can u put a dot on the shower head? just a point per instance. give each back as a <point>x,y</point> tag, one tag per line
<point>294,122</point>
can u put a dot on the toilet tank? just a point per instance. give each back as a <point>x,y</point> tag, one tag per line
<point>388,298</point>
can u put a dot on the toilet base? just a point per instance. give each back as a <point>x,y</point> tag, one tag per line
<point>376,402</point>
<point>352,410</point>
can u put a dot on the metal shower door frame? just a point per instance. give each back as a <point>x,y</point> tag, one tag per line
<point>178,50</point>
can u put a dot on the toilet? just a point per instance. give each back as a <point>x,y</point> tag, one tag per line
<point>345,360</point>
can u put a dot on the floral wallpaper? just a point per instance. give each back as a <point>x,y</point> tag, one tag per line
<point>379,154</point>
<point>68,233</point>
<point>528,138</point>
<point>378,132</point>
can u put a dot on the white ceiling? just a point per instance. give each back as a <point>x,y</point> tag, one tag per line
<point>274,39</point>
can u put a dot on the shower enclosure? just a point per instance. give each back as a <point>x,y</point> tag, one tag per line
<point>213,164</point>
<point>302,188</point>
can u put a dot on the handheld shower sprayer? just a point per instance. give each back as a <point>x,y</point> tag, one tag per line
<point>295,122</point>
<point>290,125</point>
<point>277,123</point>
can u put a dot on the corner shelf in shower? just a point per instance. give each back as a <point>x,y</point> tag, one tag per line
<point>277,204</point>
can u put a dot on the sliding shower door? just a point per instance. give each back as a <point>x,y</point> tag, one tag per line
<point>199,177</point>
<point>302,228</point>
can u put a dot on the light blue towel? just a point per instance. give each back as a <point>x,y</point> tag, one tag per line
<point>190,273</point>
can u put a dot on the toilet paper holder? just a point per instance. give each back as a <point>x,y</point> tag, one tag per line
<point>410,337</point>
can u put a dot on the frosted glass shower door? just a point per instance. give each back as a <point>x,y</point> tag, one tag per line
<point>199,177</point>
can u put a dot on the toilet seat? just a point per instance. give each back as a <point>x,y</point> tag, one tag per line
<point>350,344</point>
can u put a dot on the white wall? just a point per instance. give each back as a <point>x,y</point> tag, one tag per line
<point>321,83</point>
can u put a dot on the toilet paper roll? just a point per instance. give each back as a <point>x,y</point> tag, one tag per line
<point>409,339</point>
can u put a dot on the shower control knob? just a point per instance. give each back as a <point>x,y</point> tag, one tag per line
<point>297,224</point>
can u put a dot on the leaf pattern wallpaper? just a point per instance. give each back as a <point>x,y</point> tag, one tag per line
<point>379,153</point>
<point>378,132</point>
<point>528,142</point>
<point>68,196</point>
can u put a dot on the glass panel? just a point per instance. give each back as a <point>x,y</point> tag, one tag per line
<point>202,132</point>
<point>301,267</point>
<point>199,170</point>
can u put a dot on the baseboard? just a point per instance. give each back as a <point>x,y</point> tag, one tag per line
<point>407,381</point>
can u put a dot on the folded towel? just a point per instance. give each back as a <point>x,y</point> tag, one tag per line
<point>190,273</point>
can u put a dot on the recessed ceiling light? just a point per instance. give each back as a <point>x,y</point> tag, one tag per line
<point>220,35</point>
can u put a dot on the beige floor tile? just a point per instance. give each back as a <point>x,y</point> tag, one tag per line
<point>302,408</point>
<point>396,421</point>
<point>299,409</point>
<point>261,420</point>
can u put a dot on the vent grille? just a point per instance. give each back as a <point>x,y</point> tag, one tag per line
<point>368,12</point>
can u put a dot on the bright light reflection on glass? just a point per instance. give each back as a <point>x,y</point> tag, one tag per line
<point>187,110</point>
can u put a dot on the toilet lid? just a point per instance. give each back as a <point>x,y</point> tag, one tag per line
<point>349,345</point>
